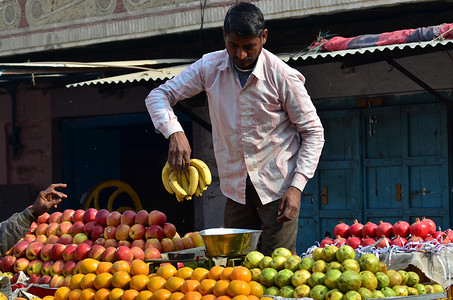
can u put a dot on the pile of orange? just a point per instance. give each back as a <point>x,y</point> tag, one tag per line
<point>123,281</point>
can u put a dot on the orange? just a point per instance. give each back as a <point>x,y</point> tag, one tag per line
<point>192,295</point>
<point>174,284</point>
<point>62,293</point>
<point>226,273</point>
<point>87,294</point>
<point>88,281</point>
<point>220,287</point>
<point>139,267</point>
<point>176,296</point>
<point>156,283</point>
<point>129,295</point>
<point>102,294</point>
<point>48,297</point>
<point>241,273</point>
<point>241,297</point>
<point>190,285</point>
<point>121,280</point>
<point>145,295</point>
<point>238,287</point>
<point>215,271</point>
<point>256,289</point>
<point>224,297</point>
<point>89,265</point>
<point>139,282</point>
<point>116,294</point>
<point>104,267</point>
<point>75,281</point>
<point>75,294</point>
<point>206,286</point>
<point>209,297</point>
<point>184,272</point>
<point>120,265</point>
<point>253,297</point>
<point>161,294</point>
<point>166,271</point>
<point>266,298</point>
<point>199,274</point>
<point>103,280</point>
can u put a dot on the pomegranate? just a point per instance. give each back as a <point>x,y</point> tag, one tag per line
<point>415,242</point>
<point>369,230</point>
<point>356,229</point>
<point>326,241</point>
<point>449,233</point>
<point>341,229</point>
<point>399,241</point>
<point>339,241</point>
<point>354,241</point>
<point>419,229</point>
<point>430,224</point>
<point>384,242</point>
<point>437,234</point>
<point>384,229</point>
<point>402,228</point>
<point>430,238</point>
<point>368,241</point>
<point>443,239</point>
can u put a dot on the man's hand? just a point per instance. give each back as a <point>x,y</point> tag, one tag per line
<point>289,205</point>
<point>48,198</point>
<point>179,151</point>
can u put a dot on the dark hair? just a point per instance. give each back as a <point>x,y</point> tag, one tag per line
<point>244,19</point>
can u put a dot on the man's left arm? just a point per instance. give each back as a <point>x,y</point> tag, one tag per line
<point>15,228</point>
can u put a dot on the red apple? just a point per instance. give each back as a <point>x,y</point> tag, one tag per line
<point>52,228</point>
<point>96,251</point>
<point>89,215</point>
<point>122,232</point>
<point>52,239</point>
<point>109,232</point>
<point>33,227</point>
<point>88,228</point>
<point>30,238</point>
<point>101,217</point>
<point>8,263</point>
<point>44,279</point>
<point>142,218</point>
<point>63,228</point>
<point>99,241</point>
<point>33,251</point>
<point>77,268</point>
<point>20,248</point>
<point>67,214</point>
<point>124,253</point>
<point>57,252</point>
<point>46,252</point>
<point>108,254</point>
<point>110,243</point>
<point>81,251</point>
<point>21,264</point>
<point>97,232</point>
<point>78,215</point>
<point>155,243</point>
<point>46,266</point>
<point>178,243</point>
<point>55,217</point>
<point>44,218</point>
<point>154,232</point>
<point>113,219</point>
<point>69,252</point>
<point>41,229</point>
<point>42,238</point>
<point>124,243</point>
<point>137,232</point>
<point>128,217</point>
<point>68,268</point>
<point>79,238</point>
<point>169,230</point>
<point>34,278</point>
<point>167,245</point>
<point>138,243</point>
<point>65,239</point>
<point>88,242</point>
<point>34,267</point>
<point>56,281</point>
<point>187,242</point>
<point>152,253</point>
<point>156,217</point>
<point>138,253</point>
<point>57,267</point>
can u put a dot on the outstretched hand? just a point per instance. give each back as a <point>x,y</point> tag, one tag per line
<point>47,199</point>
<point>289,205</point>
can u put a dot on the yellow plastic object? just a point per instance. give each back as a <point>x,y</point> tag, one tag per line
<point>122,187</point>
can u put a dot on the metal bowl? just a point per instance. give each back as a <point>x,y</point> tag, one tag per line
<point>230,242</point>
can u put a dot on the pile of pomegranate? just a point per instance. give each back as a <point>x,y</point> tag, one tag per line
<point>385,234</point>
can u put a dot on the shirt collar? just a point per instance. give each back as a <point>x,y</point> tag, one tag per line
<point>258,71</point>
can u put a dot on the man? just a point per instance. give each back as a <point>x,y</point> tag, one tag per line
<point>259,110</point>
<point>18,225</point>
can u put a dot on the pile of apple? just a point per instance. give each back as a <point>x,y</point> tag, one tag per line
<point>57,243</point>
<point>385,234</point>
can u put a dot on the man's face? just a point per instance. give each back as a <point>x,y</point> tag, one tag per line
<point>244,51</point>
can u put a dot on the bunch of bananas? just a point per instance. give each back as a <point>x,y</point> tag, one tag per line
<point>191,181</point>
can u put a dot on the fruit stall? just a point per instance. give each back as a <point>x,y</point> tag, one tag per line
<point>109,255</point>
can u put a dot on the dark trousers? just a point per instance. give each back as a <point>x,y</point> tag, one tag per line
<point>254,215</point>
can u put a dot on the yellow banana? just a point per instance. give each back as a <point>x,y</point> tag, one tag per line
<point>203,169</point>
<point>184,181</point>
<point>202,185</point>
<point>198,192</point>
<point>165,174</point>
<point>180,199</point>
<point>175,186</point>
<point>193,180</point>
